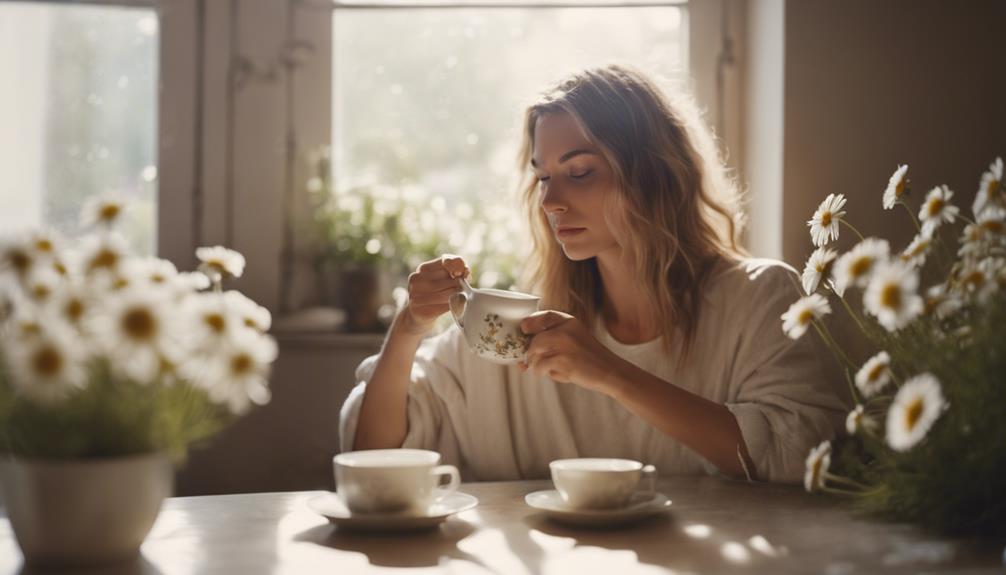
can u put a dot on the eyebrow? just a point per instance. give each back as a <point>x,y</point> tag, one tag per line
<point>568,155</point>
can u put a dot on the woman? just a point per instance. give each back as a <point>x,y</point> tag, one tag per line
<point>659,342</point>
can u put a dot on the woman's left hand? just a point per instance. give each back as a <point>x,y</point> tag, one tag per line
<point>563,349</point>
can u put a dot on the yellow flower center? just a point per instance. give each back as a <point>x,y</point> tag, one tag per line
<point>994,226</point>
<point>139,324</point>
<point>47,361</point>
<point>251,323</point>
<point>157,278</point>
<point>805,317</point>
<point>241,364</point>
<point>120,283</point>
<point>215,321</point>
<point>19,260</point>
<point>935,207</point>
<point>993,188</point>
<point>105,258</point>
<point>875,373</point>
<point>975,279</point>
<point>109,212</point>
<point>913,413</point>
<point>890,296</point>
<point>919,248</point>
<point>59,267</point>
<point>899,189</point>
<point>74,309</point>
<point>826,219</point>
<point>43,245</point>
<point>40,292</point>
<point>860,266</point>
<point>816,472</point>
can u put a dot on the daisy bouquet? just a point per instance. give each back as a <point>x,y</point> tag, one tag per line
<point>103,353</point>
<point>927,435</point>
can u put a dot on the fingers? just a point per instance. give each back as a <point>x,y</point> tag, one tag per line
<point>435,297</point>
<point>542,320</point>
<point>446,266</point>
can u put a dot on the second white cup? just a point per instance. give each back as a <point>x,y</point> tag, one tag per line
<point>600,483</point>
<point>392,480</point>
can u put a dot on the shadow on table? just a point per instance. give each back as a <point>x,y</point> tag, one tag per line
<point>136,566</point>
<point>425,548</point>
<point>661,541</point>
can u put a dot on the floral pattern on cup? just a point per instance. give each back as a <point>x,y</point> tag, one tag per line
<point>507,345</point>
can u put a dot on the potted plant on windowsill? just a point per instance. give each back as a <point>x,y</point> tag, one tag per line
<point>111,365</point>
<point>369,237</point>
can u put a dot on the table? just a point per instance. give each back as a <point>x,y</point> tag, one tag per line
<point>717,526</point>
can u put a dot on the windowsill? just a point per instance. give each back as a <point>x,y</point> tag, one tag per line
<point>323,327</point>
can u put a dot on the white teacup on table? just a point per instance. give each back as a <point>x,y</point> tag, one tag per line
<point>602,483</point>
<point>392,481</point>
<point>490,320</point>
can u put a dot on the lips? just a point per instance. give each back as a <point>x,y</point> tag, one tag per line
<point>568,231</point>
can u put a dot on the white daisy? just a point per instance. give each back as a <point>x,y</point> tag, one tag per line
<point>818,462</point>
<point>824,224</point>
<point>211,318</point>
<point>916,407</point>
<point>987,231</point>
<point>104,210</point>
<point>237,375</point>
<point>896,187</point>
<point>857,419</point>
<point>45,243</point>
<point>937,209</point>
<point>854,267</point>
<point>185,284</point>
<point>875,374</point>
<point>48,366</point>
<point>916,252</point>
<point>892,295</point>
<point>251,314</point>
<point>73,302</point>
<point>103,254</point>
<point>220,262</point>
<point>805,310</point>
<point>990,190</point>
<point>155,272</point>
<point>818,266</point>
<point>981,279</point>
<point>40,284</point>
<point>941,303</point>
<point>16,256</point>
<point>137,331</point>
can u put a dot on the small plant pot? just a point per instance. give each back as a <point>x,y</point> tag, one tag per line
<point>84,512</point>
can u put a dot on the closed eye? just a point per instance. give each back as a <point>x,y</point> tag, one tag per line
<point>581,175</point>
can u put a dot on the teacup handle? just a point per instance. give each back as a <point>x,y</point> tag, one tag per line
<point>447,470</point>
<point>650,474</point>
<point>459,302</point>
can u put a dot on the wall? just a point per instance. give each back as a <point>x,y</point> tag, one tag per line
<point>870,85</point>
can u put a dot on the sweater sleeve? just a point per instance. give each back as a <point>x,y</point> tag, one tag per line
<point>434,380</point>
<point>787,395</point>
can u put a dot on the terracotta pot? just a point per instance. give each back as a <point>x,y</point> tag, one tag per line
<point>85,511</point>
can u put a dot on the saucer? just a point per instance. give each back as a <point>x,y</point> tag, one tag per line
<point>641,506</point>
<point>331,506</point>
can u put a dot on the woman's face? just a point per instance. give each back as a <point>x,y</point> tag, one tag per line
<point>573,180</point>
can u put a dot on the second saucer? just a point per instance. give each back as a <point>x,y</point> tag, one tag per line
<point>641,506</point>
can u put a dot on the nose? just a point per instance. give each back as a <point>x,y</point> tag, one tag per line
<point>551,200</point>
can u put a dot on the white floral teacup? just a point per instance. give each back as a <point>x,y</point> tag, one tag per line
<point>490,320</point>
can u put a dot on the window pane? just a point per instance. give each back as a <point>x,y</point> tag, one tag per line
<point>432,99</point>
<point>79,115</point>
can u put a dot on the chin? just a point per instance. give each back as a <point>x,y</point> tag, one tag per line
<point>577,253</point>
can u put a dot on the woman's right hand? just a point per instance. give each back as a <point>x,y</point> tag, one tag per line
<point>430,288</point>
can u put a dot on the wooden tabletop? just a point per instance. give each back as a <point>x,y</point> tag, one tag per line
<point>716,526</point>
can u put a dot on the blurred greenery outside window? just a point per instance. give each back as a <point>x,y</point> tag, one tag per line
<point>427,112</point>
<point>79,115</point>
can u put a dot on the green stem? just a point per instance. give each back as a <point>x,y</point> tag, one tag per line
<point>854,315</point>
<point>852,227</point>
<point>915,220</point>
<point>845,481</point>
<point>823,332</point>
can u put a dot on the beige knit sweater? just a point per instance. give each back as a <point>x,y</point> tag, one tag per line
<point>497,423</point>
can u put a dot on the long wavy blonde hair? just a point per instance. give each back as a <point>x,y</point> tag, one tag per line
<point>675,211</point>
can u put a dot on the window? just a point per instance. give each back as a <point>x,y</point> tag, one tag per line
<point>428,100</point>
<point>81,118</point>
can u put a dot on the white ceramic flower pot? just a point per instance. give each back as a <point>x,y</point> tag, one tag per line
<point>84,512</point>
